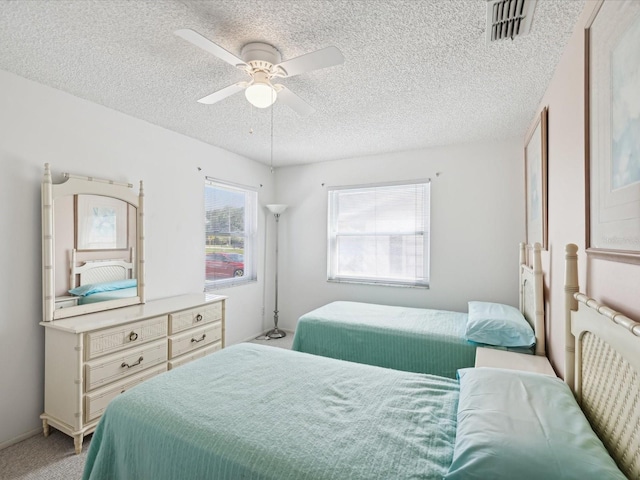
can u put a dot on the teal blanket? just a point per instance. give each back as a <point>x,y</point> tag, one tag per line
<point>410,339</point>
<point>110,295</point>
<point>257,412</point>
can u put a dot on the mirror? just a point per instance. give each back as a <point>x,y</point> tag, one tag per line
<point>92,245</point>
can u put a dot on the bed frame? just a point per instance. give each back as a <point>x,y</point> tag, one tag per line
<point>532,293</point>
<point>99,271</point>
<point>602,366</point>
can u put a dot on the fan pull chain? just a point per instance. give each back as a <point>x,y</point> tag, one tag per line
<point>272,92</point>
<point>250,119</point>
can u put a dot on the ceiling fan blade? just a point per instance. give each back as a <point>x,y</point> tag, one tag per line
<point>293,101</point>
<point>199,41</point>
<point>326,57</point>
<point>224,93</point>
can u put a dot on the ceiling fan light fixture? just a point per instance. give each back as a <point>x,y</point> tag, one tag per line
<point>263,62</point>
<point>261,95</point>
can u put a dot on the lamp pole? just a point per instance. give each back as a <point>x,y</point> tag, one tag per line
<point>275,332</point>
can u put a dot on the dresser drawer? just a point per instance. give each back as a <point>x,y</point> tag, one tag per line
<point>201,352</point>
<point>108,369</point>
<point>194,339</point>
<point>97,401</point>
<point>181,321</point>
<point>117,338</point>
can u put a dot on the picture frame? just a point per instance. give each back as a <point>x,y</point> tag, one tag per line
<point>101,223</point>
<point>535,167</point>
<point>612,131</point>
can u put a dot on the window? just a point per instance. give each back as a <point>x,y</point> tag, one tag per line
<point>230,234</point>
<point>379,234</point>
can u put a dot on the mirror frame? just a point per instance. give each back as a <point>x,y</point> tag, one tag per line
<point>76,185</point>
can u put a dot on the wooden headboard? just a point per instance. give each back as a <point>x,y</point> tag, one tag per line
<point>98,271</point>
<point>603,368</point>
<point>532,292</point>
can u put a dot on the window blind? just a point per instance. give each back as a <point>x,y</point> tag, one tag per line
<point>379,234</point>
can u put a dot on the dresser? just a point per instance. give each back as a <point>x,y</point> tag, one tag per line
<point>90,359</point>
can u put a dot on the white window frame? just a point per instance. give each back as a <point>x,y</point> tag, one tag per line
<point>420,280</point>
<point>250,237</point>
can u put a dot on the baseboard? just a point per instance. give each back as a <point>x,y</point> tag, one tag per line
<point>20,438</point>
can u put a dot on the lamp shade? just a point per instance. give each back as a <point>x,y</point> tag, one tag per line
<point>260,95</point>
<point>277,209</point>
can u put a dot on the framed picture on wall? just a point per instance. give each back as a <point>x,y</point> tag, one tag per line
<point>612,164</point>
<point>101,223</point>
<point>535,175</point>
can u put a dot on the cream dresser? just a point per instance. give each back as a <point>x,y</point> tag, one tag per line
<point>90,359</point>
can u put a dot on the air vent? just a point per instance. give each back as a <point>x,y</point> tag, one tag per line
<point>508,18</point>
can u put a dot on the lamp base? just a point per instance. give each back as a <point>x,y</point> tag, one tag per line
<point>275,333</point>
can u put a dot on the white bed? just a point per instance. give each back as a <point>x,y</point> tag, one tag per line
<point>106,275</point>
<point>424,340</point>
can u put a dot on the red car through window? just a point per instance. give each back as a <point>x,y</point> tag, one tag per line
<point>224,265</point>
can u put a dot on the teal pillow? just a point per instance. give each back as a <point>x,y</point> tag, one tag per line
<point>498,324</point>
<point>91,288</point>
<point>525,426</point>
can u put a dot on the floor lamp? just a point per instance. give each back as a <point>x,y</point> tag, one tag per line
<point>274,333</point>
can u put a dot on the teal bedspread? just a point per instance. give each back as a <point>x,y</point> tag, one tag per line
<point>410,339</point>
<point>110,295</point>
<point>257,412</point>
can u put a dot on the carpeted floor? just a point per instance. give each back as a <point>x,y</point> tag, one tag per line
<point>39,458</point>
<point>54,458</point>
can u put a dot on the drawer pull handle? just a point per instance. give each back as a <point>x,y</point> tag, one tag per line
<point>198,317</point>
<point>133,336</point>
<point>133,364</point>
<point>193,340</point>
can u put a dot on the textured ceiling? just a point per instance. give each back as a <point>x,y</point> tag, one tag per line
<point>417,73</point>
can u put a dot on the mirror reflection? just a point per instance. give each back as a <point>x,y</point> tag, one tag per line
<point>94,250</point>
<point>92,245</point>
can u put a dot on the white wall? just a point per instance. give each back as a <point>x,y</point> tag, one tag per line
<point>476,224</point>
<point>39,124</point>
<point>613,283</point>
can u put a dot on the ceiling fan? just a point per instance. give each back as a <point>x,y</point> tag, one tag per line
<point>263,63</point>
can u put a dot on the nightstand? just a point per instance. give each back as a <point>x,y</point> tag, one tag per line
<point>66,301</point>
<point>491,357</point>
